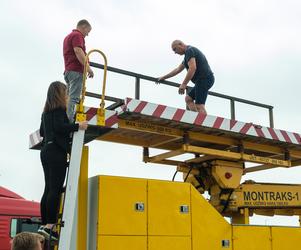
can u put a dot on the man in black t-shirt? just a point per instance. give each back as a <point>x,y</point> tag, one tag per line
<point>198,71</point>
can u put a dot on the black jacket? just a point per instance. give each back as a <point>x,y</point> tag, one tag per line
<point>56,128</point>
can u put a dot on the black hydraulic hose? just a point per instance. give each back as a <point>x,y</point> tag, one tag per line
<point>174,176</point>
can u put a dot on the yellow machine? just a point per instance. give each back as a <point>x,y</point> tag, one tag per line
<point>151,214</point>
<point>117,213</point>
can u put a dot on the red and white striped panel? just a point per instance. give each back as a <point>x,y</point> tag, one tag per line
<point>111,120</point>
<point>209,121</point>
<point>35,139</point>
<point>111,117</point>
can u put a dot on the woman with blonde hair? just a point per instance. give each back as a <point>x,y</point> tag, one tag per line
<point>56,130</point>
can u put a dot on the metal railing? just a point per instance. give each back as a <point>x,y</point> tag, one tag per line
<point>138,77</point>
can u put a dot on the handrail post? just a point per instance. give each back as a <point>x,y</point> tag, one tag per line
<point>105,69</point>
<point>232,107</point>
<point>271,116</point>
<point>137,88</point>
<point>80,116</point>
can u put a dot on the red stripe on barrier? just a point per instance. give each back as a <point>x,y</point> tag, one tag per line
<point>259,132</point>
<point>178,115</point>
<point>128,99</point>
<point>111,120</point>
<point>232,123</point>
<point>159,110</point>
<point>140,107</point>
<point>200,119</point>
<point>285,135</point>
<point>273,134</point>
<point>91,113</point>
<point>246,128</point>
<point>218,122</point>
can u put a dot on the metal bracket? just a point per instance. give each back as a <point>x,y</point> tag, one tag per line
<point>287,155</point>
<point>186,138</point>
<point>101,117</point>
<point>80,117</point>
<point>241,148</point>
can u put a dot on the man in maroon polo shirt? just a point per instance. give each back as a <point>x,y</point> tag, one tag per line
<point>74,50</point>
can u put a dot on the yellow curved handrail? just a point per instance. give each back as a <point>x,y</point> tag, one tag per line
<point>102,103</point>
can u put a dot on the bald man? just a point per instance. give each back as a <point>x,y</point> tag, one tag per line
<point>198,71</point>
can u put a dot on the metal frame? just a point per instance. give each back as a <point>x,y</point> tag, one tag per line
<point>215,153</point>
<point>268,156</point>
<point>138,77</point>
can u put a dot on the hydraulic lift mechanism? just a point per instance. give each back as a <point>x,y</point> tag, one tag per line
<point>112,213</point>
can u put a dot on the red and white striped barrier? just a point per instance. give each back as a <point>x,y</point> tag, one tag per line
<point>209,121</point>
<point>111,121</point>
<point>184,116</point>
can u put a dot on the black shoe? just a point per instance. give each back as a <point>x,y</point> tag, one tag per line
<point>49,234</point>
<point>40,229</point>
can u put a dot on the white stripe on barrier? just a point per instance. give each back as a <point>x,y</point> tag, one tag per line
<point>168,113</point>
<point>149,109</point>
<point>292,137</point>
<point>238,126</point>
<point>209,121</point>
<point>252,131</point>
<point>132,105</point>
<point>279,135</point>
<point>225,124</point>
<point>266,133</point>
<point>189,117</point>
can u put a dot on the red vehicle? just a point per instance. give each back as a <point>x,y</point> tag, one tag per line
<point>16,215</point>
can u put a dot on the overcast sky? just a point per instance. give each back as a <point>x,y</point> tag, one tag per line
<point>253,47</point>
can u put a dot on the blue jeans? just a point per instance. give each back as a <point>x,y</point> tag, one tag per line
<point>200,90</point>
<point>74,82</point>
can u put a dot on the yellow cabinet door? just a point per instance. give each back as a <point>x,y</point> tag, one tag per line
<point>122,243</point>
<point>169,243</point>
<point>122,206</point>
<point>251,238</point>
<point>169,208</point>
<point>209,229</point>
<point>286,238</point>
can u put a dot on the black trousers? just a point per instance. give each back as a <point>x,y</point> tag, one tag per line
<point>54,161</point>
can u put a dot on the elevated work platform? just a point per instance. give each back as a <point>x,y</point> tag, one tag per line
<point>181,131</point>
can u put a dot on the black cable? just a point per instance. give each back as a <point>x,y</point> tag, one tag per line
<point>174,176</point>
<point>227,201</point>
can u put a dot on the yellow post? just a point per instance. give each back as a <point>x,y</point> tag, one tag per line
<point>60,214</point>
<point>242,218</point>
<point>82,214</point>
